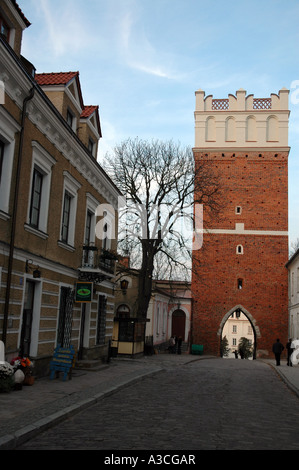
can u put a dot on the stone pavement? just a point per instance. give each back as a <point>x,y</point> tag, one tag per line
<point>27,412</point>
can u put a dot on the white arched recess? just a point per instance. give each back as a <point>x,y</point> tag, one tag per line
<point>187,324</point>
<point>256,330</point>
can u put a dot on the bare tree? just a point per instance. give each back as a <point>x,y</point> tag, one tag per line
<point>158,215</point>
<point>294,248</point>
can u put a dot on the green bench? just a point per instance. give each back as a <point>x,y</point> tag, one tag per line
<point>197,349</point>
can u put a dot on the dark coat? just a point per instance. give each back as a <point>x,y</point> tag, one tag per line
<point>277,347</point>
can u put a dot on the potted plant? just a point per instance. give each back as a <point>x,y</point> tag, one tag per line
<point>26,366</point>
<point>6,377</point>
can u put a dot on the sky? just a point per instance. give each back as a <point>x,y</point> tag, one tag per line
<point>141,61</point>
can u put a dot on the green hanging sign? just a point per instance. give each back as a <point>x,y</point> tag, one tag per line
<point>84,292</point>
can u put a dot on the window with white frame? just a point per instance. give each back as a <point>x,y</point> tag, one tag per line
<point>8,129</point>
<point>71,119</point>
<point>91,146</point>
<point>164,320</point>
<point>40,186</point>
<point>66,217</point>
<point>4,29</point>
<point>90,224</point>
<point>89,235</point>
<point>105,228</point>
<point>293,283</point>
<point>7,30</point>
<point>36,195</point>
<point>69,210</point>
<point>87,239</point>
<point>158,321</point>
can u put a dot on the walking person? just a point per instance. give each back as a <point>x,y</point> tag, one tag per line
<point>290,351</point>
<point>277,349</point>
<point>171,345</point>
<point>180,339</point>
<point>176,344</point>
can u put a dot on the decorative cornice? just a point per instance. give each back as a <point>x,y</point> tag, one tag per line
<point>47,119</point>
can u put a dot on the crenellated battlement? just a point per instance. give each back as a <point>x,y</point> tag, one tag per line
<point>241,102</point>
<point>242,120</point>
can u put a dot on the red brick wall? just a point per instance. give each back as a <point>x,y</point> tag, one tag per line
<point>258,183</point>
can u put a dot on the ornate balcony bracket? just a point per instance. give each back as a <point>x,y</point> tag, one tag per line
<point>92,276</point>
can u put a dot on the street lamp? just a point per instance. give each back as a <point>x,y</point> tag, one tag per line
<point>124,285</point>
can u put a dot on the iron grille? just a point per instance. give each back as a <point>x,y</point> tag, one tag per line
<point>101,324</point>
<point>65,317</point>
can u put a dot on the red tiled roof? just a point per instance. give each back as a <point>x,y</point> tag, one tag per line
<point>88,110</point>
<point>60,78</point>
<point>63,78</point>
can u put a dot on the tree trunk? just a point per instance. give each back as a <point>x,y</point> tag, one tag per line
<point>145,281</point>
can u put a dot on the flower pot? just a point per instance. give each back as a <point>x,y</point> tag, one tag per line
<point>6,384</point>
<point>29,380</point>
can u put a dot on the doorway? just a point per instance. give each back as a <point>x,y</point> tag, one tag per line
<point>65,320</point>
<point>26,330</point>
<point>178,324</point>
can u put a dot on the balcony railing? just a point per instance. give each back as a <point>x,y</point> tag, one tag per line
<point>95,259</point>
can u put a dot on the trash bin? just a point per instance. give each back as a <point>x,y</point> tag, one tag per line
<point>197,349</point>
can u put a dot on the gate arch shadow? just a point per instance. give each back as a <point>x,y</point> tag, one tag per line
<point>255,328</point>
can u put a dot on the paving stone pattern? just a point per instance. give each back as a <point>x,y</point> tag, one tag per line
<point>213,404</point>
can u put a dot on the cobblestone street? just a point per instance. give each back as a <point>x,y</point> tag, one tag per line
<point>204,405</point>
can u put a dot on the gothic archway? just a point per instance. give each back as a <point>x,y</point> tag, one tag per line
<point>240,309</point>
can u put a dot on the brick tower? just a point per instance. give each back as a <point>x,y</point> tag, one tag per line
<point>241,265</point>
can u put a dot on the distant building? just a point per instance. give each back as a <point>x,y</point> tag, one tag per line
<point>243,141</point>
<point>236,327</point>
<point>51,186</point>
<point>293,271</point>
<point>169,313</point>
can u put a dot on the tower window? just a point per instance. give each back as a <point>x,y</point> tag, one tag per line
<point>240,283</point>
<point>238,210</point>
<point>240,250</point>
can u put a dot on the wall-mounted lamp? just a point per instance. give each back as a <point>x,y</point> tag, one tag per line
<point>35,272</point>
<point>124,285</point>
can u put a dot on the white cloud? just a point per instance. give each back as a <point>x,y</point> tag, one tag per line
<point>107,143</point>
<point>64,27</point>
<point>138,52</point>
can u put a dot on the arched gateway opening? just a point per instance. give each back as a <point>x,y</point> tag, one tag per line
<point>236,313</point>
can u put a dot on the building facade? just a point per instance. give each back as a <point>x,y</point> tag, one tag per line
<point>243,141</point>
<point>54,235</point>
<point>236,327</point>
<point>293,272</point>
<point>169,313</point>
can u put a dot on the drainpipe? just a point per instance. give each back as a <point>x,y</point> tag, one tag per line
<point>14,215</point>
